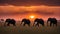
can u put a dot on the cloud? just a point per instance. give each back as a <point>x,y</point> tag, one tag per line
<point>30,2</point>
<point>41,10</point>
<point>44,13</point>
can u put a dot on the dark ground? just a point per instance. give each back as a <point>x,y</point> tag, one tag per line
<point>29,30</point>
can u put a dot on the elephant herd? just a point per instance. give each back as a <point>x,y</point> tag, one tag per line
<point>37,21</point>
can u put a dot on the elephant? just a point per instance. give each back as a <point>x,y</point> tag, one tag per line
<point>10,21</point>
<point>26,21</point>
<point>1,20</point>
<point>38,21</point>
<point>52,21</point>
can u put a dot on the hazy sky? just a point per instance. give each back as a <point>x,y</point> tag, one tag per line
<point>43,8</point>
<point>30,2</point>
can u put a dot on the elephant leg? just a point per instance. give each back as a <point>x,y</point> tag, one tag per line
<point>14,24</point>
<point>50,24</point>
<point>8,24</point>
<point>56,24</point>
<point>53,24</point>
<point>29,25</point>
<point>43,24</point>
<point>38,25</point>
<point>24,24</point>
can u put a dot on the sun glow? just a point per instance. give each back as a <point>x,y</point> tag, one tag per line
<point>32,16</point>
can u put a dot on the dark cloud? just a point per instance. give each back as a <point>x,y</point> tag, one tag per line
<point>44,13</point>
<point>13,13</point>
<point>27,12</point>
<point>30,2</point>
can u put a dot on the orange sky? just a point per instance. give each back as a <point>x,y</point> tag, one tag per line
<point>40,11</point>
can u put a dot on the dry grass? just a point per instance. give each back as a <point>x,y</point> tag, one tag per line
<point>29,30</point>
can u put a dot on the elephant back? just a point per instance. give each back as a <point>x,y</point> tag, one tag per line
<point>7,20</point>
<point>36,20</point>
<point>26,21</point>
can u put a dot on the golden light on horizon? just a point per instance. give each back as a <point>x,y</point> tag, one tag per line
<point>32,17</point>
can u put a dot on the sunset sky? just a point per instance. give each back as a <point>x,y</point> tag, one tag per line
<point>19,9</point>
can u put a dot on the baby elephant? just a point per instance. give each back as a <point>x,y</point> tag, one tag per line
<point>52,21</point>
<point>38,21</point>
<point>26,21</point>
<point>10,21</point>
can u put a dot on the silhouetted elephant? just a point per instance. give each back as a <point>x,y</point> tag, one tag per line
<point>26,21</point>
<point>52,21</point>
<point>2,20</point>
<point>38,21</point>
<point>10,21</point>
